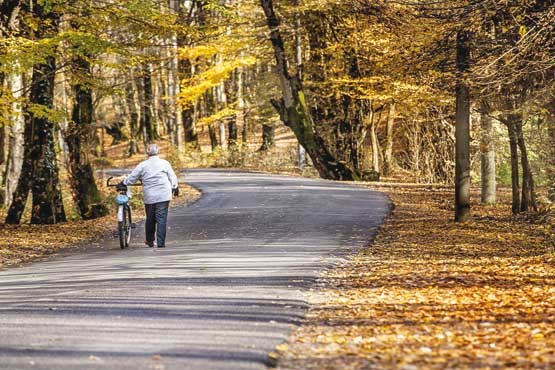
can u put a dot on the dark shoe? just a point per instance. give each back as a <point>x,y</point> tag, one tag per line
<point>149,244</point>
<point>161,246</point>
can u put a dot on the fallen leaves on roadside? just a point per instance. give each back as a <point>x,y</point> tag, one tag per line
<point>24,243</point>
<point>429,293</point>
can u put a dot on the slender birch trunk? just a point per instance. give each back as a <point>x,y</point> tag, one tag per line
<point>388,151</point>
<point>15,137</point>
<point>487,155</point>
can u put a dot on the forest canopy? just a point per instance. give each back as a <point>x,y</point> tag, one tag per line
<point>454,92</point>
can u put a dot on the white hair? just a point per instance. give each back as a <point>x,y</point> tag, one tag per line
<point>152,149</point>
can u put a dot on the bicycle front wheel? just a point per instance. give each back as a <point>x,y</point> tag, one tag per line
<point>124,228</point>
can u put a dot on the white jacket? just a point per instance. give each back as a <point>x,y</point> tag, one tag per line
<point>158,179</point>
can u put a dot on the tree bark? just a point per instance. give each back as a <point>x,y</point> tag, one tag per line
<point>21,192</point>
<point>40,169</point>
<point>528,196</point>
<point>148,130</point>
<point>189,118</point>
<point>173,85</point>
<point>209,105</point>
<point>513,145</point>
<point>268,137</point>
<point>47,197</point>
<point>388,151</point>
<point>189,115</point>
<point>12,143</point>
<point>551,158</point>
<point>232,129</point>
<point>189,11</point>
<point>374,142</point>
<point>240,118</point>
<point>293,109</point>
<point>213,137</point>
<point>157,125</point>
<point>78,136</point>
<point>462,131</point>
<point>15,138</point>
<point>132,101</point>
<point>232,92</point>
<point>221,102</point>
<point>299,64</point>
<point>487,156</point>
<point>115,131</point>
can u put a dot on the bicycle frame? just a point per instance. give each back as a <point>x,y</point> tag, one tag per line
<point>124,212</point>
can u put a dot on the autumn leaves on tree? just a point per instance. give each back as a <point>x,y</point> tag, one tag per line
<point>427,91</point>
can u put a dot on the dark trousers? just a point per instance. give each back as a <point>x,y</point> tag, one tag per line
<point>156,222</point>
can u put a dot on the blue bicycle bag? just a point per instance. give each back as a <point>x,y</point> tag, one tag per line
<point>122,199</point>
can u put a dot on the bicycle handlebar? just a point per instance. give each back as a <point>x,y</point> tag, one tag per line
<point>114,185</point>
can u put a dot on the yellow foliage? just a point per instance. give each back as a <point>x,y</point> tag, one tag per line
<point>193,88</point>
<point>218,116</point>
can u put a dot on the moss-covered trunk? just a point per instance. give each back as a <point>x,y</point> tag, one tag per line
<point>293,109</point>
<point>40,167</point>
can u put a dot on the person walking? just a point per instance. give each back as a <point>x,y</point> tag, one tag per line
<point>159,185</point>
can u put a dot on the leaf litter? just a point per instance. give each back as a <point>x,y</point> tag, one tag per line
<point>432,294</point>
<point>24,243</point>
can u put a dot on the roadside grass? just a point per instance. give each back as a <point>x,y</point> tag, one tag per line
<point>433,294</point>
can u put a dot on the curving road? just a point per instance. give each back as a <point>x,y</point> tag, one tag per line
<point>227,289</point>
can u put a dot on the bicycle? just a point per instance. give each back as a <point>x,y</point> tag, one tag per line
<point>125,224</point>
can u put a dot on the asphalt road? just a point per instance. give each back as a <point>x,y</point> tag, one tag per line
<point>228,288</point>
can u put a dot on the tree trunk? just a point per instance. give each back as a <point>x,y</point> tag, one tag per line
<point>132,101</point>
<point>374,142</point>
<point>222,134</point>
<point>388,151</point>
<point>232,129</point>
<point>187,69</point>
<point>15,139</point>
<point>155,102</point>
<point>487,156</point>
<point>551,158</point>
<point>189,115</point>
<point>221,102</point>
<point>528,196</point>
<point>213,137</point>
<point>268,137</point>
<point>40,169</point>
<point>21,192</point>
<point>240,117</point>
<point>12,144</point>
<point>245,131</point>
<point>114,130</point>
<point>149,132</point>
<point>173,84</point>
<point>47,197</point>
<point>513,144</point>
<point>78,136</point>
<point>232,92</point>
<point>299,63</point>
<point>462,131</point>
<point>293,110</point>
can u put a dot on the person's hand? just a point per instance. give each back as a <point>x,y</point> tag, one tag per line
<point>175,192</point>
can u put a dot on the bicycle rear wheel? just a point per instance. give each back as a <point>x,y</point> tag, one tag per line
<point>124,228</point>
